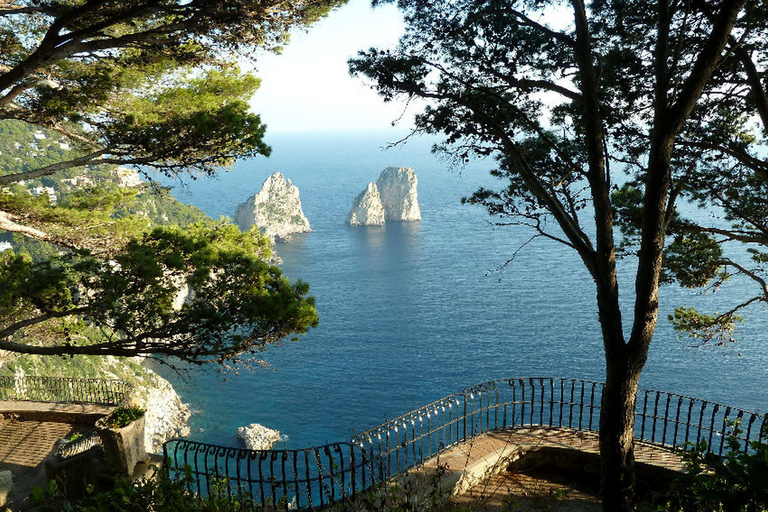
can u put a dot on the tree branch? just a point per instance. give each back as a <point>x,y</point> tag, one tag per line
<point>9,331</point>
<point>52,169</point>
<point>706,63</point>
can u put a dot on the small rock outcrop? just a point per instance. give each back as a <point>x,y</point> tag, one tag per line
<point>276,209</point>
<point>394,196</point>
<point>258,437</point>
<point>367,209</point>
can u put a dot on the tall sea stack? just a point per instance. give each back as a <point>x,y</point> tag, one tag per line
<point>394,196</point>
<point>276,209</point>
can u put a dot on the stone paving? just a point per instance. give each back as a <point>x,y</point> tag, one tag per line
<point>477,471</point>
<point>26,438</point>
<point>26,443</point>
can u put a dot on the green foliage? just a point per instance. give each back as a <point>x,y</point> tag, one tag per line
<point>143,82</point>
<point>123,416</point>
<point>161,494</point>
<point>20,150</point>
<point>735,482</point>
<point>158,206</point>
<point>693,259</point>
<point>235,302</point>
<point>157,85</point>
<point>715,328</point>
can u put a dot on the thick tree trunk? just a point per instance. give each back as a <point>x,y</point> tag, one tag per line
<point>617,423</point>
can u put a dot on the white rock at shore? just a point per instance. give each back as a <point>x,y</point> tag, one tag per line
<point>399,194</point>
<point>258,437</point>
<point>166,416</point>
<point>276,209</point>
<point>367,209</point>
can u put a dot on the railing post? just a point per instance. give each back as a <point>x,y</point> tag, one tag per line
<point>465,415</point>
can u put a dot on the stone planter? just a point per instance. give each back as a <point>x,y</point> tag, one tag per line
<point>124,446</point>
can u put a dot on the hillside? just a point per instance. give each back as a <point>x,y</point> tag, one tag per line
<point>22,147</point>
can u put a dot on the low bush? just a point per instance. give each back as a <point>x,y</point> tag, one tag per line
<point>123,416</point>
<point>734,482</point>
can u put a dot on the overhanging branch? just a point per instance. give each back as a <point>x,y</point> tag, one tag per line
<point>51,169</point>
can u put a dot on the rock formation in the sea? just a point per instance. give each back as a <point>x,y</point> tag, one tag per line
<point>276,209</point>
<point>394,196</point>
<point>258,437</point>
<point>367,209</point>
<point>399,195</point>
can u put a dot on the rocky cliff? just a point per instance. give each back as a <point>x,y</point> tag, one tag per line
<point>367,209</point>
<point>276,209</point>
<point>394,196</point>
<point>166,415</point>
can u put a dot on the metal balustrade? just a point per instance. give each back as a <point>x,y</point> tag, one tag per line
<point>281,479</point>
<point>316,477</point>
<point>63,390</point>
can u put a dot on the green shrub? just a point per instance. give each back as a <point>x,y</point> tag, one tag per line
<point>735,482</point>
<point>157,495</point>
<point>123,416</point>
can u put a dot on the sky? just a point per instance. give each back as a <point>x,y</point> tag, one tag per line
<point>308,86</point>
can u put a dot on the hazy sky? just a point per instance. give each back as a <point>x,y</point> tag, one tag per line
<point>308,87</point>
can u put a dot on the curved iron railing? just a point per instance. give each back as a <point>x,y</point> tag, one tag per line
<point>64,389</point>
<point>281,479</point>
<point>312,478</point>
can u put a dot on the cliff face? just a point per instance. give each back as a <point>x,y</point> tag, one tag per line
<point>276,209</point>
<point>399,194</point>
<point>367,209</point>
<point>166,415</point>
<point>394,196</point>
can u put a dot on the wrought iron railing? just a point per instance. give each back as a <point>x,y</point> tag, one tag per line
<point>281,479</point>
<point>311,478</point>
<point>62,389</point>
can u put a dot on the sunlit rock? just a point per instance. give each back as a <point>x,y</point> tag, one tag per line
<point>258,437</point>
<point>399,194</point>
<point>367,209</point>
<point>276,210</point>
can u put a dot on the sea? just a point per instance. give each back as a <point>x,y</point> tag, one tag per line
<point>413,311</point>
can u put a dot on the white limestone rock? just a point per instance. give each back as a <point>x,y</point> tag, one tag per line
<point>399,194</point>
<point>367,209</point>
<point>258,437</point>
<point>166,416</point>
<point>276,209</point>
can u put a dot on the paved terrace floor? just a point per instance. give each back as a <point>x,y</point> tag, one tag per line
<point>506,470</point>
<point>28,431</point>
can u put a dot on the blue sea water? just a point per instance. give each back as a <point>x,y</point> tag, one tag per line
<point>411,312</point>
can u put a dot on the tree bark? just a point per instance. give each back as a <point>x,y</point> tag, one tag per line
<point>617,425</point>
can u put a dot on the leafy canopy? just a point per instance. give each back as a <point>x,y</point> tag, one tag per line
<point>155,84</point>
<point>619,128</point>
<point>142,81</point>
<point>198,294</point>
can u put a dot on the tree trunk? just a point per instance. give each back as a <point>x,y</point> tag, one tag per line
<point>617,455</point>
